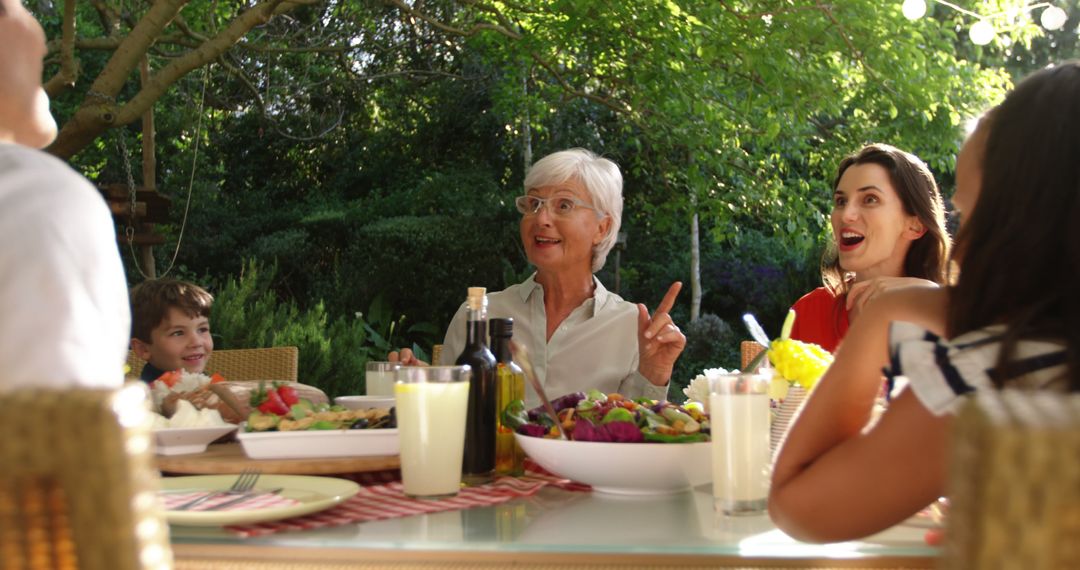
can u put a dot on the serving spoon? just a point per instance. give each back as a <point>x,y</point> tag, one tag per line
<point>521,354</point>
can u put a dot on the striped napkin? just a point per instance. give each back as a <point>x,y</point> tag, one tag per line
<point>387,500</point>
<point>261,501</point>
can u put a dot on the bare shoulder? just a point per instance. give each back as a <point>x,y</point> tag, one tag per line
<point>923,306</point>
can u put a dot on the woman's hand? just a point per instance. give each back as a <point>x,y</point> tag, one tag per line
<point>660,342</point>
<point>405,357</point>
<point>863,292</point>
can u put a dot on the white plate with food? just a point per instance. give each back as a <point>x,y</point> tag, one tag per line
<point>365,402</point>
<point>623,468</point>
<point>180,441</point>
<point>319,443</point>
<point>301,495</point>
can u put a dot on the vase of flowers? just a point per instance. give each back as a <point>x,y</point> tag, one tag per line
<point>798,366</point>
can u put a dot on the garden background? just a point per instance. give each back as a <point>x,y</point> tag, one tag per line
<point>341,170</point>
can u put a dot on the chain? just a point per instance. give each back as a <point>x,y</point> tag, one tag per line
<point>121,143</point>
<point>129,231</point>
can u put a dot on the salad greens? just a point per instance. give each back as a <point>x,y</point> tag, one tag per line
<point>595,416</point>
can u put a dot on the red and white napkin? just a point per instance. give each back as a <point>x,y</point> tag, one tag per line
<point>387,500</point>
<point>254,502</point>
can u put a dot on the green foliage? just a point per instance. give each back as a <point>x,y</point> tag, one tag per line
<point>371,158</point>
<point>333,351</point>
<point>710,343</point>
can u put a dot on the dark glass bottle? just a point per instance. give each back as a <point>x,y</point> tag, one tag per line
<point>479,461</point>
<point>510,382</point>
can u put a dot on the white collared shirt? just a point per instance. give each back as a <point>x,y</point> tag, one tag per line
<point>63,296</point>
<point>596,347</point>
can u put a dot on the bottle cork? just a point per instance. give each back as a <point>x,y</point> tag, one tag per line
<point>477,298</point>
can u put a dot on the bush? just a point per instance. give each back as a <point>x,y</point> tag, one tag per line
<point>247,313</point>
<point>710,343</point>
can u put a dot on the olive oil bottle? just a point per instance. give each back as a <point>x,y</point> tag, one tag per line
<point>510,386</point>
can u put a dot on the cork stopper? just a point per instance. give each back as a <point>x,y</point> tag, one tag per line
<point>477,298</point>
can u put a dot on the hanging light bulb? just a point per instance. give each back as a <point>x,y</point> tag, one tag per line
<point>914,9</point>
<point>1053,18</point>
<point>982,33</point>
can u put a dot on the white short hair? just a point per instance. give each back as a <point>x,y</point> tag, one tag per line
<point>600,176</point>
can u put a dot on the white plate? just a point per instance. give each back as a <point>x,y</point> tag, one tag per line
<point>179,441</point>
<point>624,468</point>
<point>314,493</point>
<point>365,402</point>
<point>319,443</point>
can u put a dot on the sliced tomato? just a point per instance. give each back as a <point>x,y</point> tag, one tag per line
<point>273,404</point>
<point>288,394</point>
<point>170,378</point>
<point>215,378</point>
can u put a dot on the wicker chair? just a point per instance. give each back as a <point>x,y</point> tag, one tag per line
<point>1015,483</point>
<point>748,351</point>
<point>278,363</point>
<point>78,482</point>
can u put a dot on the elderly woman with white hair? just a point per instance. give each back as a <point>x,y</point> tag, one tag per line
<point>579,335</point>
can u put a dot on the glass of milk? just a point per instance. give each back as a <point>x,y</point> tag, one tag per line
<point>379,378</point>
<point>432,402</point>
<point>739,416</point>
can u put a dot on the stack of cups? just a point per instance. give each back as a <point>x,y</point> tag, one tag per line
<point>432,402</point>
<point>739,416</point>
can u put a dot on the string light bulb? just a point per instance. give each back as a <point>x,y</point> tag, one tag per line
<point>1053,18</point>
<point>914,9</point>
<point>982,32</point>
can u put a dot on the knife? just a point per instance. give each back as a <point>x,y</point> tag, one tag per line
<point>522,357</point>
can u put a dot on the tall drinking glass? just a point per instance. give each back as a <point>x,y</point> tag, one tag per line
<point>379,377</point>
<point>739,415</point>
<point>432,402</point>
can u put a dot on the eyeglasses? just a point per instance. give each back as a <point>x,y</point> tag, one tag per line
<point>561,206</point>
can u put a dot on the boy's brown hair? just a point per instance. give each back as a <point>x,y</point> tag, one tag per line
<point>152,299</point>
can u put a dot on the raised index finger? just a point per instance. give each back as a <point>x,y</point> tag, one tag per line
<point>669,299</point>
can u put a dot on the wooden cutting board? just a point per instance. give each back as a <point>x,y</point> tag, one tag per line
<point>224,458</point>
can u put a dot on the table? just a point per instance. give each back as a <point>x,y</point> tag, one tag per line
<point>555,529</point>
<point>221,458</point>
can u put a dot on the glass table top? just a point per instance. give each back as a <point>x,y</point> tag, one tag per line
<point>561,521</point>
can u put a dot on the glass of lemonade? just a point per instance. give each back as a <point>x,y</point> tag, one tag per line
<point>739,416</point>
<point>379,377</point>
<point>432,402</point>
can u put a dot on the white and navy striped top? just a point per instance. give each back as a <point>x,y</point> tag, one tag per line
<point>942,372</point>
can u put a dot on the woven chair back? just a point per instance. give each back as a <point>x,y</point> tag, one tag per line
<point>748,351</point>
<point>1014,486</point>
<point>78,481</point>
<point>278,363</point>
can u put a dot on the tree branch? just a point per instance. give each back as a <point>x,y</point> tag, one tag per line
<point>99,110</point>
<point>577,92</point>
<point>69,68</point>
<point>401,5</point>
<point>210,50</point>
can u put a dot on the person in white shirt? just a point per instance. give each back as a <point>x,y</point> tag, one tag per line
<point>63,296</point>
<point>579,335</point>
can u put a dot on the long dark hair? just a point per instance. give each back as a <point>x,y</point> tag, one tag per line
<point>928,256</point>
<point>1019,247</point>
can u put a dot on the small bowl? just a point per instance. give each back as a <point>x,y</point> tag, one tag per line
<point>624,468</point>
<point>365,402</point>
<point>180,441</point>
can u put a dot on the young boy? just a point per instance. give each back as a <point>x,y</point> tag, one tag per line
<point>170,326</point>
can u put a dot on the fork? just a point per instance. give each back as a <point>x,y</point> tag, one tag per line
<point>243,484</point>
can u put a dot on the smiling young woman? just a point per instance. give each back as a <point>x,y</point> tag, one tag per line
<point>888,226</point>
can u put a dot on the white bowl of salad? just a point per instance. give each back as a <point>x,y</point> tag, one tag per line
<point>647,448</point>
